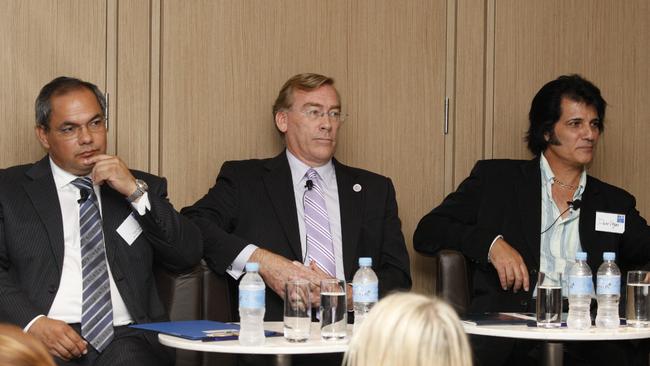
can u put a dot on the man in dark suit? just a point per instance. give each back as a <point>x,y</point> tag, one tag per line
<point>79,235</point>
<point>255,210</point>
<point>513,218</point>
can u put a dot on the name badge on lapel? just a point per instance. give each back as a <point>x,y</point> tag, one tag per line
<point>610,222</point>
<point>130,229</point>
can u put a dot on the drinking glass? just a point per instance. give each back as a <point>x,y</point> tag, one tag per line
<point>333,309</point>
<point>297,310</point>
<point>549,299</point>
<point>637,305</point>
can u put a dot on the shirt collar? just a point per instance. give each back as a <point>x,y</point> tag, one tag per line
<point>61,177</point>
<point>548,175</point>
<point>299,169</point>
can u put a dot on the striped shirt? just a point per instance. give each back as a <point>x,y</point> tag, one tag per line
<point>560,242</point>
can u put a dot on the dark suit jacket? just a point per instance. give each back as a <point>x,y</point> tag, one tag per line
<point>504,197</point>
<point>32,244</point>
<point>253,202</point>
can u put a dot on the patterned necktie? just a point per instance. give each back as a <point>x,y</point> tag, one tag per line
<point>97,311</point>
<point>319,240</point>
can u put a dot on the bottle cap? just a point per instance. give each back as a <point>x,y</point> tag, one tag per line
<point>581,256</point>
<point>609,256</point>
<point>252,267</point>
<point>365,261</point>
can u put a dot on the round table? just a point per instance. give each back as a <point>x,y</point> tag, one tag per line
<point>553,338</point>
<point>273,345</point>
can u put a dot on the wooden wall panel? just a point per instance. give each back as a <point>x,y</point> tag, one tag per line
<point>132,98</point>
<point>397,81</point>
<point>606,42</point>
<point>41,40</point>
<point>223,63</point>
<point>470,87</point>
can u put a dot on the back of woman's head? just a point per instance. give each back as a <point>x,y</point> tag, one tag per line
<point>20,349</point>
<point>410,329</point>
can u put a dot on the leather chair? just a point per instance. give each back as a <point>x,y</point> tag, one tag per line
<point>197,294</point>
<point>452,279</point>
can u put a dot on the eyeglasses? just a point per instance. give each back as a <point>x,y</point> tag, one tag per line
<point>313,114</point>
<point>72,131</point>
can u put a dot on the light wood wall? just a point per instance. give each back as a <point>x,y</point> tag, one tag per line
<point>192,83</point>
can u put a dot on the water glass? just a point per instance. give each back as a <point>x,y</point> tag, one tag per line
<point>637,305</point>
<point>297,310</point>
<point>549,299</point>
<point>333,309</point>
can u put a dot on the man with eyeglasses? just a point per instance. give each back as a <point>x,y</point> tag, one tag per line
<point>303,213</point>
<point>79,235</point>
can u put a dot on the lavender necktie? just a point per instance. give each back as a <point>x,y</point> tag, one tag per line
<point>317,225</point>
<point>97,311</point>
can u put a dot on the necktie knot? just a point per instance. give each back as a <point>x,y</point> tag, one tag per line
<point>312,174</point>
<point>84,183</point>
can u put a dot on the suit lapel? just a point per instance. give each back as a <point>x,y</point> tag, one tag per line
<point>351,204</point>
<point>530,205</point>
<point>588,215</point>
<point>41,190</point>
<point>115,210</point>
<point>279,186</point>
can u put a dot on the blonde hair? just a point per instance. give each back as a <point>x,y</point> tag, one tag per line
<point>20,349</point>
<point>409,329</point>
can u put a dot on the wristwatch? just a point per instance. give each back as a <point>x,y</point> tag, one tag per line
<point>140,187</point>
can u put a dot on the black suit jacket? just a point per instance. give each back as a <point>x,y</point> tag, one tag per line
<point>503,197</point>
<point>253,202</point>
<point>32,244</point>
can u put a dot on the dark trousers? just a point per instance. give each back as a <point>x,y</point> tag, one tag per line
<point>128,347</point>
<point>321,359</point>
<point>497,351</point>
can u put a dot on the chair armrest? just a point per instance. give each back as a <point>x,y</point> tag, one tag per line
<point>181,294</point>
<point>217,303</point>
<point>452,283</point>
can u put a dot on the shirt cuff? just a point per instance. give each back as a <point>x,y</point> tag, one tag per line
<point>237,266</point>
<point>142,205</point>
<point>29,325</point>
<point>490,249</point>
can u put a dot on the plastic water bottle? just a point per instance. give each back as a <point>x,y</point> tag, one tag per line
<point>251,307</point>
<point>365,290</point>
<point>581,286</point>
<point>608,289</point>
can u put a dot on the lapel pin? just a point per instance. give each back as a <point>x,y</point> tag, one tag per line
<point>356,187</point>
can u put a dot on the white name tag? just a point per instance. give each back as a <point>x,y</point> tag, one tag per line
<point>610,222</point>
<point>130,229</point>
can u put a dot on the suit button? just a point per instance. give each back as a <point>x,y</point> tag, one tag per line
<point>51,288</point>
<point>524,303</point>
<point>533,273</point>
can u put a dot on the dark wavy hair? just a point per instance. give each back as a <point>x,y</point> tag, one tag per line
<point>546,108</point>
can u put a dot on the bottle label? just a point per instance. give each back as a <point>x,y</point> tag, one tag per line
<point>580,285</point>
<point>608,285</point>
<point>252,299</point>
<point>366,292</point>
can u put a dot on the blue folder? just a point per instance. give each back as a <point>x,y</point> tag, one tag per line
<point>205,330</point>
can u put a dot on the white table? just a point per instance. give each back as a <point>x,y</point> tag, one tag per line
<point>273,346</point>
<point>553,338</point>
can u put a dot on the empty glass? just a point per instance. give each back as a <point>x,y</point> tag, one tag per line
<point>297,310</point>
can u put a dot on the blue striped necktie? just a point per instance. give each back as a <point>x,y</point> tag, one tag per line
<point>97,311</point>
<point>317,225</point>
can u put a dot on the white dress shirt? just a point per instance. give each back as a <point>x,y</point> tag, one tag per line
<point>68,300</point>
<point>330,189</point>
